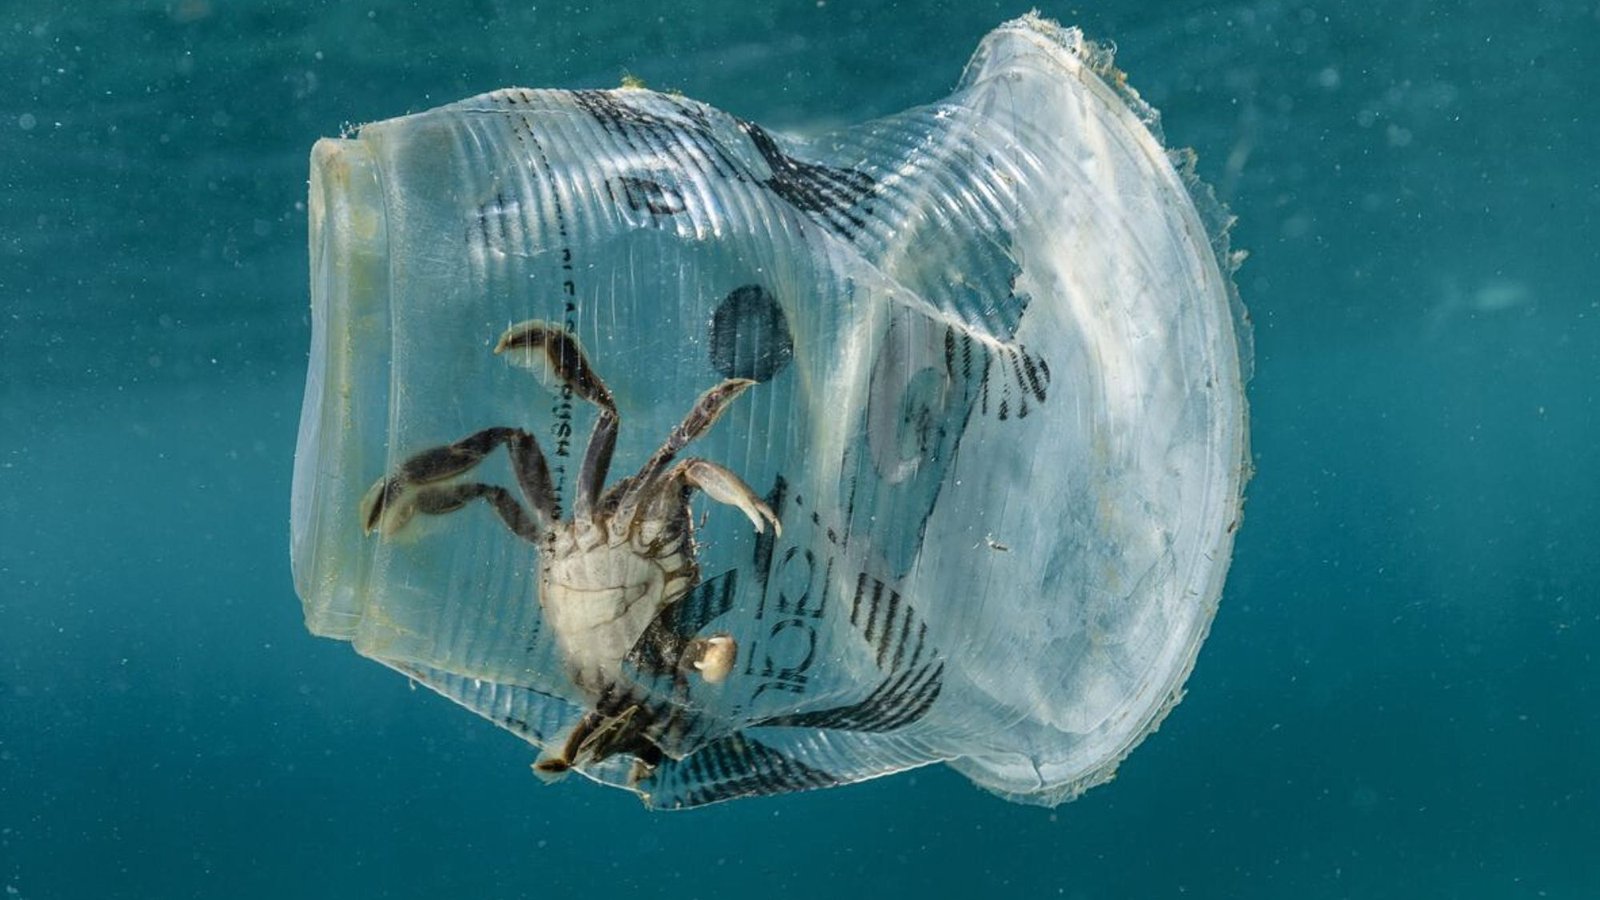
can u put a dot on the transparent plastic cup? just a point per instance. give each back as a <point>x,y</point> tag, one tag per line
<point>996,370</point>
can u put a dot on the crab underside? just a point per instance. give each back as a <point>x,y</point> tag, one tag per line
<point>611,572</point>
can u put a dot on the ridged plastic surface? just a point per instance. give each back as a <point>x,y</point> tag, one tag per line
<point>998,407</point>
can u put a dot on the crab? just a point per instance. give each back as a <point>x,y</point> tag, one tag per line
<point>607,575</point>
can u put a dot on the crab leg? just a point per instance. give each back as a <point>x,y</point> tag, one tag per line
<point>554,765</point>
<point>705,413</point>
<point>436,501</point>
<point>723,486</point>
<point>393,500</point>
<point>557,359</point>
<point>600,735</point>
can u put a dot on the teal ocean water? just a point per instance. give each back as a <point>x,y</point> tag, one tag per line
<point>1399,697</point>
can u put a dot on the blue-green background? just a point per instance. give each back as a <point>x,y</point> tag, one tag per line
<point>1399,698</point>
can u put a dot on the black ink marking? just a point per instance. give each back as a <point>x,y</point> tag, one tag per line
<point>688,143</point>
<point>483,225</point>
<point>492,226</point>
<point>645,195</point>
<point>735,766</point>
<point>855,604</point>
<point>872,611</point>
<point>896,702</point>
<point>562,427</point>
<point>883,644</point>
<point>795,605</point>
<point>1010,389</point>
<point>750,335</point>
<point>828,195</point>
<point>900,645</point>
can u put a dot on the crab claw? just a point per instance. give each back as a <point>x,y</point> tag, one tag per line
<point>725,487</point>
<point>556,358</point>
<point>386,507</point>
<point>714,657</point>
<point>551,769</point>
